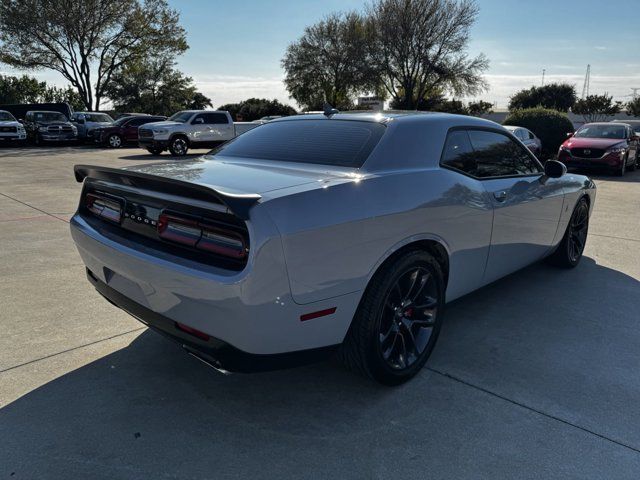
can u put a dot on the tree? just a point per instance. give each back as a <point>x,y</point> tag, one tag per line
<point>256,108</point>
<point>595,108</point>
<point>633,107</point>
<point>22,89</point>
<point>328,63</point>
<point>27,89</point>
<point>154,86</point>
<point>87,41</point>
<point>555,96</point>
<point>479,108</point>
<point>419,46</point>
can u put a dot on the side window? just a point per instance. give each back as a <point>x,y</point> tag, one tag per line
<point>458,153</point>
<point>520,134</point>
<point>215,118</point>
<point>497,155</point>
<point>136,122</point>
<point>530,134</point>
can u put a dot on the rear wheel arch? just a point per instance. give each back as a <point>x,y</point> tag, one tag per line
<point>430,245</point>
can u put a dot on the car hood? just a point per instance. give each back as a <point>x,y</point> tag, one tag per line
<point>162,123</point>
<point>243,176</point>
<point>604,143</point>
<point>9,123</point>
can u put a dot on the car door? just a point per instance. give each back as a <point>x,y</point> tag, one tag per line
<point>130,129</point>
<point>527,204</point>
<point>221,129</point>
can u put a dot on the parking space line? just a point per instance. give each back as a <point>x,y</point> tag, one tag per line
<point>531,409</point>
<point>72,349</point>
<point>31,206</point>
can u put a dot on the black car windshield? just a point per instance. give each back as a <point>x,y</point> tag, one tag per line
<point>48,117</point>
<point>342,143</point>
<point>602,131</point>
<point>180,117</point>
<point>6,117</point>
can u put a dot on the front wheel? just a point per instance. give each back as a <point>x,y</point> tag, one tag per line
<point>178,147</point>
<point>569,252</point>
<point>398,320</point>
<point>114,141</point>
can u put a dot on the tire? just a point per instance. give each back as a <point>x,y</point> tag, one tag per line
<point>571,247</point>
<point>154,151</point>
<point>390,339</point>
<point>114,141</point>
<point>179,146</point>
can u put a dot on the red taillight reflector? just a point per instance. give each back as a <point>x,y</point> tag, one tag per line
<point>179,230</point>
<point>105,207</point>
<point>201,236</point>
<point>192,331</point>
<point>319,313</point>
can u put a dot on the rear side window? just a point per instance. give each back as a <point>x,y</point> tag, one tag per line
<point>216,118</point>
<point>458,152</point>
<point>328,142</point>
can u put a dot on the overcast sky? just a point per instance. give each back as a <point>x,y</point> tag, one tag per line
<point>236,47</point>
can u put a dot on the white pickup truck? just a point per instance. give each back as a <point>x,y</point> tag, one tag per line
<point>191,129</point>
<point>10,129</point>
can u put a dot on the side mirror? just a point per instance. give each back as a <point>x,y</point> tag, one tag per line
<point>554,169</point>
<point>570,134</point>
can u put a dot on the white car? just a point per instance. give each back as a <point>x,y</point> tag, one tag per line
<point>316,232</point>
<point>191,129</point>
<point>10,129</point>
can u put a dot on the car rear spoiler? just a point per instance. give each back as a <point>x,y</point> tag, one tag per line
<point>238,204</point>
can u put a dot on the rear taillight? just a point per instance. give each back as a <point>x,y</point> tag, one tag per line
<point>202,236</point>
<point>106,207</point>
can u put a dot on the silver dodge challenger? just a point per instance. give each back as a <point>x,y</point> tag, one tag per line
<point>315,234</point>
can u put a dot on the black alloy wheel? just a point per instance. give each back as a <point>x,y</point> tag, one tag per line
<point>408,318</point>
<point>571,247</point>
<point>398,320</point>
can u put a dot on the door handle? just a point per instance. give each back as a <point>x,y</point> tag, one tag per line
<point>500,196</point>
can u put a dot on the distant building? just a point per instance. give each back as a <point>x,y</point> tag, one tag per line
<point>371,103</point>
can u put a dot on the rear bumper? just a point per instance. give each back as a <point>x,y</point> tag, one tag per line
<point>212,351</point>
<point>152,143</point>
<point>251,311</point>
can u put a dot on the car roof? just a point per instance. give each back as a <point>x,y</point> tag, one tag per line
<point>45,111</point>
<point>628,122</point>
<point>395,116</point>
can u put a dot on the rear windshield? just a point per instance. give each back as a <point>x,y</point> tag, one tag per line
<point>327,142</point>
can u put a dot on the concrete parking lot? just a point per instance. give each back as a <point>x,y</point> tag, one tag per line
<point>535,377</point>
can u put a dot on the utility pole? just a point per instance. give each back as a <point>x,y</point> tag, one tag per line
<point>543,72</point>
<point>587,79</point>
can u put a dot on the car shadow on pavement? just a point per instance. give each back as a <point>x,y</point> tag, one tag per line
<point>151,408</point>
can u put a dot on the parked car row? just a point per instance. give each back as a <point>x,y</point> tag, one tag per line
<point>182,131</point>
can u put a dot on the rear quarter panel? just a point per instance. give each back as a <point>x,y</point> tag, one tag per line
<point>336,236</point>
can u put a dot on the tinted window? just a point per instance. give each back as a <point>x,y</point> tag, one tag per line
<point>329,142</point>
<point>216,118</point>
<point>458,152</point>
<point>136,122</point>
<point>497,155</point>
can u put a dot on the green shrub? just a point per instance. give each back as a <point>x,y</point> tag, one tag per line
<point>550,126</point>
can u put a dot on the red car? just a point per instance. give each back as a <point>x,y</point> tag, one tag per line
<point>124,130</point>
<point>610,146</point>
